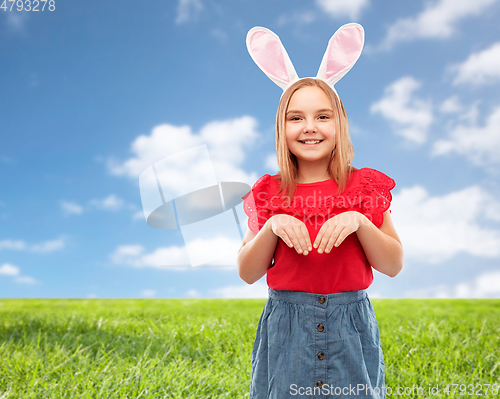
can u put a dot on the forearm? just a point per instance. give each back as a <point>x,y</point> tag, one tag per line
<point>255,257</point>
<point>384,253</point>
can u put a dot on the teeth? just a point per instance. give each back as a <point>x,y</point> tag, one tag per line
<point>312,142</point>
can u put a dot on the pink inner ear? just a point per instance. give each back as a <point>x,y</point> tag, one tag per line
<point>344,50</point>
<point>269,55</point>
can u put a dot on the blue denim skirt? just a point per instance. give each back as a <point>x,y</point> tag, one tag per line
<point>321,346</point>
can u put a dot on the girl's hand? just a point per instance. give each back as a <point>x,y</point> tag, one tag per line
<point>337,228</point>
<point>292,231</point>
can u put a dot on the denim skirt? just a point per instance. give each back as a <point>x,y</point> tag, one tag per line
<point>321,346</point>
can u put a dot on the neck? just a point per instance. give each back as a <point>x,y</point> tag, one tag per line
<point>310,172</point>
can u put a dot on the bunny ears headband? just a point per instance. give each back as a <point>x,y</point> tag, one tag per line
<point>344,49</point>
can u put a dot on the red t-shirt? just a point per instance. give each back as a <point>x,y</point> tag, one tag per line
<point>345,268</point>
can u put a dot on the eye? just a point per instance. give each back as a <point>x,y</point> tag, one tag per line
<point>324,117</point>
<point>294,118</point>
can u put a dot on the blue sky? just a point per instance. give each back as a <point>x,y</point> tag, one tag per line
<point>95,92</point>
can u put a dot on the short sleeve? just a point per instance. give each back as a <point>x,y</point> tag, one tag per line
<point>252,204</point>
<point>377,188</point>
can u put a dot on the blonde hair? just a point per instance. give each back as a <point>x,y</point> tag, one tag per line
<point>339,166</point>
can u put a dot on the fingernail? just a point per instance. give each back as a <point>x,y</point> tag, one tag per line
<point>300,251</point>
<point>327,250</point>
<point>315,245</point>
<point>310,249</point>
<point>305,252</point>
<point>320,250</point>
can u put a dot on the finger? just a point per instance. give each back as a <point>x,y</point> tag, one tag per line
<point>326,237</point>
<point>295,240</point>
<point>308,239</point>
<point>330,243</point>
<point>342,236</point>
<point>286,239</point>
<point>325,227</point>
<point>317,240</point>
<point>305,239</point>
<point>331,238</point>
<point>320,235</point>
<point>299,234</point>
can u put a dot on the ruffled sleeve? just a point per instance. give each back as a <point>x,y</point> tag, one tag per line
<point>377,199</point>
<point>255,202</point>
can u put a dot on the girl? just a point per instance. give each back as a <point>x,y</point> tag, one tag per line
<point>325,224</point>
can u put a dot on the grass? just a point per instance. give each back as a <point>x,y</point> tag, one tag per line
<point>201,348</point>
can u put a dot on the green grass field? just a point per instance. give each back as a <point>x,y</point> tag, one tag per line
<point>201,348</point>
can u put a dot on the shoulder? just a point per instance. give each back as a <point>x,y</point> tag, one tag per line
<point>374,177</point>
<point>266,183</point>
<point>374,188</point>
<point>256,201</point>
<point>261,184</point>
<point>263,187</point>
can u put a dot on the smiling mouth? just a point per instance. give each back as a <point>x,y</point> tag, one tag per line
<point>310,142</point>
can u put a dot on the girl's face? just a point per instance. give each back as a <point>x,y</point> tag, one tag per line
<point>310,117</point>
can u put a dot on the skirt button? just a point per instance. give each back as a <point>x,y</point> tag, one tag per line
<point>321,356</point>
<point>319,384</point>
<point>320,327</point>
<point>322,299</point>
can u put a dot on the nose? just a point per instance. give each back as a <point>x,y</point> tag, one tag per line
<point>310,126</point>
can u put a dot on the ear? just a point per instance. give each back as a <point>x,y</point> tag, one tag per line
<point>266,50</point>
<point>344,49</point>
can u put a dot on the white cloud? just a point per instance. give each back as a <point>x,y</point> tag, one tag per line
<point>193,293</point>
<point>9,270</point>
<point>178,256</point>
<point>451,105</point>
<point>486,285</point>
<point>16,21</point>
<point>11,244</point>
<point>255,290</point>
<point>44,247</point>
<point>411,116</point>
<point>188,10</point>
<point>271,164</point>
<point>437,20</point>
<point>139,215</point>
<point>480,68</point>
<point>336,9</point>
<point>434,229</point>
<point>202,250</point>
<point>49,246</point>
<point>110,203</point>
<point>226,142</point>
<point>480,144</point>
<point>219,34</point>
<point>343,8</point>
<point>296,18</point>
<point>134,255</point>
<point>71,208</point>
<point>25,280</point>
<point>148,293</point>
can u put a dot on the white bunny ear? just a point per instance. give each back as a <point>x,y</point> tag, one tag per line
<point>266,50</point>
<point>344,49</point>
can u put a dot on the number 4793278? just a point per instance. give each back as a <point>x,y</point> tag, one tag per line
<point>28,5</point>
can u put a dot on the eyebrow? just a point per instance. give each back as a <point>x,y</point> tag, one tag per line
<point>295,111</point>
